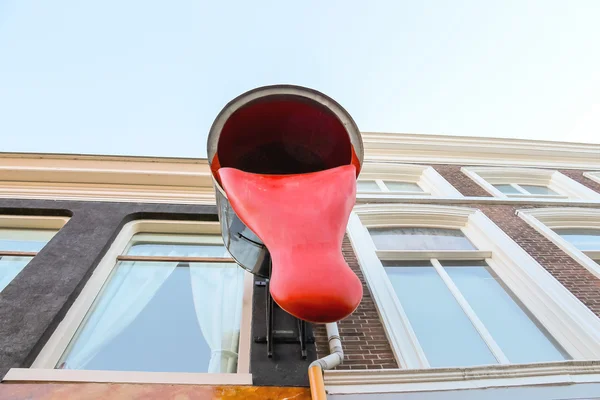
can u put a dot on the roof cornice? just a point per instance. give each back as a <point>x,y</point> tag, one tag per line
<point>189,179</point>
<point>464,150</point>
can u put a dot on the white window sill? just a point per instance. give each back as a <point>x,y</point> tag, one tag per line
<point>182,378</point>
<point>427,199</point>
<point>438,379</point>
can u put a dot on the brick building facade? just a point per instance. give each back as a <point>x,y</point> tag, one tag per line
<point>451,184</point>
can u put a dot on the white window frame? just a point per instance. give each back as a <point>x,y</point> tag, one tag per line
<point>427,178</point>
<point>593,175</point>
<point>43,369</point>
<point>545,220</point>
<point>567,188</point>
<point>565,318</point>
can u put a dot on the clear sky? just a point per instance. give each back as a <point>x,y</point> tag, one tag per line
<point>148,77</point>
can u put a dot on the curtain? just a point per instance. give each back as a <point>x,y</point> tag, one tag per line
<point>130,289</point>
<point>217,291</point>
<point>10,268</point>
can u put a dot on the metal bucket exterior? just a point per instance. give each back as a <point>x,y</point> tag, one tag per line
<point>244,245</point>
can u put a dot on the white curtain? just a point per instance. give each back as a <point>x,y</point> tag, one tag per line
<point>129,290</point>
<point>10,268</point>
<point>218,290</point>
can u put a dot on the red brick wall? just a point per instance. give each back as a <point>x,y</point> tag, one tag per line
<point>461,182</point>
<point>363,338</point>
<point>577,175</point>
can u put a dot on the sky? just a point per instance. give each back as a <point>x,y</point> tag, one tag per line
<point>143,77</point>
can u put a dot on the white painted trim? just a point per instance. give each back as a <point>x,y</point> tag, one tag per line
<point>386,198</point>
<point>394,147</point>
<point>544,220</point>
<point>16,375</point>
<point>102,178</point>
<point>188,181</point>
<point>593,175</point>
<point>463,150</point>
<point>59,341</point>
<point>486,177</point>
<point>440,379</point>
<point>569,321</point>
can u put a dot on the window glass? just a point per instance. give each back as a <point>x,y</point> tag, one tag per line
<point>10,268</point>
<point>30,240</point>
<point>536,189</point>
<point>25,240</point>
<point>582,238</point>
<point>367,186</point>
<point>507,189</point>
<point>521,339</point>
<point>177,246</point>
<point>443,330</point>
<point>402,186</point>
<point>163,317</point>
<point>420,239</point>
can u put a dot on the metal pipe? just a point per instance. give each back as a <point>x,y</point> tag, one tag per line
<point>335,358</point>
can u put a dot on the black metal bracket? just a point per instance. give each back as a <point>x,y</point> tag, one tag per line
<point>281,336</point>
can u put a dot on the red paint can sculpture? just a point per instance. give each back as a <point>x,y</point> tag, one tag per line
<point>284,161</point>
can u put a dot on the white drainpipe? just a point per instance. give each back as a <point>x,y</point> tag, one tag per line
<point>336,355</point>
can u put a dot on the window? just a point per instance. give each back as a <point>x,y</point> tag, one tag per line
<point>453,290</point>
<point>582,238</point>
<point>515,190</point>
<point>401,179</point>
<point>419,239</point>
<point>528,183</point>
<point>169,300</point>
<point>482,321</point>
<point>595,176</point>
<point>585,239</point>
<point>379,185</point>
<point>21,238</point>
<point>574,230</point>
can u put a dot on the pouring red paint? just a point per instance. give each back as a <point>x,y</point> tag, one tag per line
<point>302,218</point>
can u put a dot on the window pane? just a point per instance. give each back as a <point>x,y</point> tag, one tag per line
<point>420,239</point>
<point>402,186</point>
<point>367,186</point>
<point>178,246</point>
<point>583,239</point>
<point>10,268</point>
<point>536,189</point>
<point>521,339</point>
<point>24,239</point>
<point>507,189</point>
<point>164,317</point>
<point>445,333</point>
